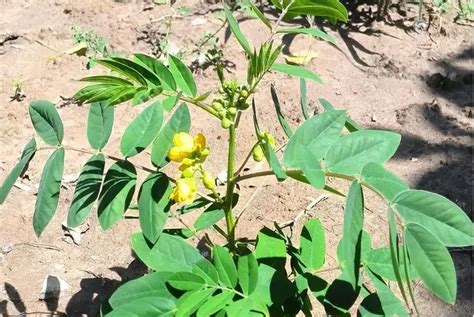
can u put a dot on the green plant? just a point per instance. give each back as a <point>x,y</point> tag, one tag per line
<point>94,45</point>
<point>269,275</point>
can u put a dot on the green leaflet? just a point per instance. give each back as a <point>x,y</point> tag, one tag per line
<point>296,71</point>
<point>48,191</point>
<point>281,118</point>
<point>191,301</point>
<point>391,305</point>
<point>310,31</point>
<point>432,261</point>
<point>123,70</point>
<point>99,124</point>
<point>170,102</point>
<point>154,205</point>
<point>110,80</point>
<point>234,27</point>
<point>269,245</point>
<point>352,152</point>
<point>351,240</point>
<point>330,9</point>
<point>160,70</point>
<point>116,193</point>
<point>183,76</point>
<point>382,181</point>
<point>247,270</point>
<point>150,78</point>
<point>225,266</point>
<point>152,285</point>
<point>180,121</point>
<point>260,15</point>
<point>148,306</point>
<point>303,99</point>
<point>312,245</point>
<point>186,281</point>
<point>87,190</point>
<point>437,214</point>
<point>379,261</point>
<point>209,217</point>
<point>142,130</point>
<point>273,161</point>
<point>46,121</point>
<point>350,124</point>
<point>26,155</point>
<point>316,135</point>
<point>215,303</point>
<point>169,254</point>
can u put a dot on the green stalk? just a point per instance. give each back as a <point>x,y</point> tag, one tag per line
<point>229,216</point>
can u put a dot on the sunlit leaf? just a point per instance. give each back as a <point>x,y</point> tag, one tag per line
<point>99,124</point>
<point>296,71</point>
<point>183,76</point>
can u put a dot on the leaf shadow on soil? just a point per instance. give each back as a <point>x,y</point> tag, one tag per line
<point>96,290</point>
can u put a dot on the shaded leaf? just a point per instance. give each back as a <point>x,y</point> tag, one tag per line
<point>154,205</point>
<point>26,155</point>
<point>87,190</point>
<point>116,193</point>
<point>48,191</point>
<point>281,118</point>
<point>247,268</point>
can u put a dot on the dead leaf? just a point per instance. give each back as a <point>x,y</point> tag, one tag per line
<point>300,57</point>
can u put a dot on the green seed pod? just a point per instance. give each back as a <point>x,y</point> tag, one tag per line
<point>244,93</point>
<point>257,153</point>
<point>226,123</point>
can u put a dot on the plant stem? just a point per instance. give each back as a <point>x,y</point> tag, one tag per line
<point>242,166</point>
<point>201,105</point>
<point>229,216</point>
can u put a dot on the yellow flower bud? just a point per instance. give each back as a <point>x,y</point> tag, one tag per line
<point>257,153</point>
<point>184,191</point>
<point>271,140</point>
<point>199,142</point>
<point>208,180</point>
<point>187,172</point>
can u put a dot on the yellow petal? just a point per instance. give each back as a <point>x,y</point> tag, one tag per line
<point>184,191</point>
<point>200,142</point>
<point>184,141</point>
<point>176,154</point>
<point>300,57</point>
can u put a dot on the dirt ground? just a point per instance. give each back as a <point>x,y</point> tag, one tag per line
<point>387,77</point>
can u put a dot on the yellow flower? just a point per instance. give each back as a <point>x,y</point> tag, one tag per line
<point>183,147</point>
<point>184,191</point>
<point>208,180</point>
<point>186,148</point>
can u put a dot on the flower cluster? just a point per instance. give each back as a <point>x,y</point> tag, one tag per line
<point>191,153</point>
<point>232,99</point>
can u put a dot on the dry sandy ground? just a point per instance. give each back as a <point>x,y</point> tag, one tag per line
<point>385,80</point>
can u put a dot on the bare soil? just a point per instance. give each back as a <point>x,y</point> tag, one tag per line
<point>387,77</point>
